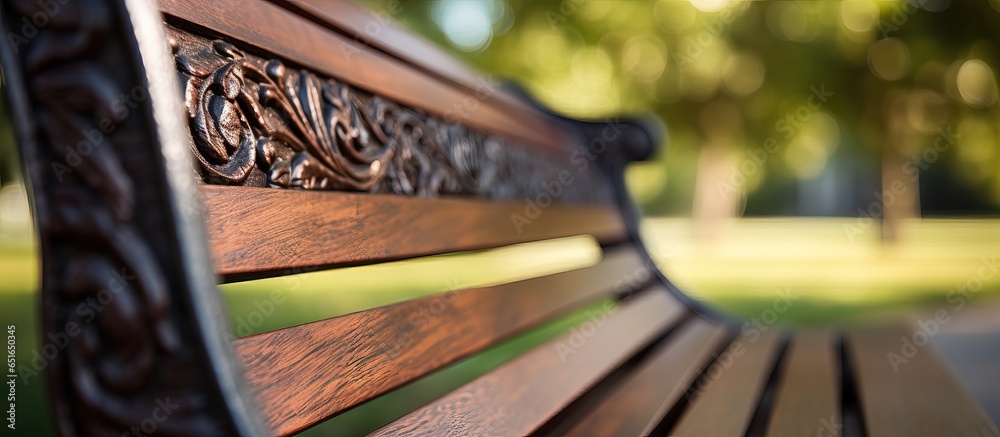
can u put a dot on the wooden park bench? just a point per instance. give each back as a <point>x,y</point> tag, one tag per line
<point>171,148</point>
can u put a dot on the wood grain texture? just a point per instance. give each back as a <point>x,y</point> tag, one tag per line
<point>259,230</point>
<point>807,399</point>
<point>376,29</point>
<point>304,374</point>
<point>258,122</point>
<point>638,405</point>
<point>299,40</point>
<point>724,401</point>
<point>918,396</point>
<point>521,395</point>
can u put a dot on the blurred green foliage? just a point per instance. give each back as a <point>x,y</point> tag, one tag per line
<point>726,76</point>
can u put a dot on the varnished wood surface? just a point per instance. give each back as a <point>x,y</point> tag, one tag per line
<point>303,374</point>
<point>521,395</point>
<point>725,399</point>
<point>299,40</point>
<point>807,399</point>
<point>638,405</point>
<point>258,230</point>
<point>378,29</point>
<point>919,397</point>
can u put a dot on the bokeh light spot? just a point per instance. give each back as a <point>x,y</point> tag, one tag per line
<point>643,58</point>
<point>976,84</point>
<point>743,74</point>
<point>467,25</point>
<point>808,151</point>
<point>789,21</point>
<point>859,15</point>
<point>674,17</point>
<point>889,58</point>
<point>709,5</point>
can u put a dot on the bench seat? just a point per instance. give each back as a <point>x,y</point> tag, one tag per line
<point>174,146</point>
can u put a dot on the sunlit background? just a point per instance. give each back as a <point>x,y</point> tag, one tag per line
<point>847,150</point>
<point>844,152</point>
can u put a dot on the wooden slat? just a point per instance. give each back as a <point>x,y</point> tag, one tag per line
<point>807,399</point>
<point>724,402</point>
<point>259,230</point>
<point>297,39</point>
<point>303,374</point>
<point>521,395</point>
<point>638,405</point>
<point>908,391</point>
<point>378,29</point>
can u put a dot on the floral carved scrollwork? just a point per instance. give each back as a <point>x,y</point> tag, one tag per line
<point>257,122</point>
<point>301,131</point>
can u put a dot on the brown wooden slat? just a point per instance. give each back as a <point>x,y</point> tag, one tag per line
<point>637,405</point>
<point>303,374</point>
<point>257,230</point>
<point>521,395</point>
<point>725,400</point>
<point>377,29</point>
<point>279,31</point>
<point>919,397</point>
<point>807,399</point>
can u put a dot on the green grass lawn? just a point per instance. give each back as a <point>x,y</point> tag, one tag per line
<point>838,274</point>
<point>740,267</point>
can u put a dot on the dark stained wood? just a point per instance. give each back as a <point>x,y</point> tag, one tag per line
<point>303,374</point>
<point>377,29</point>
<point>918,396</point>
<point>256,230</point>
<point>130,316</point>
<point>362,142</point>
<point>807,399</point>
<point>731,388</point>
<point>643,400</point>
<point>521,395</point>
<point>297,39</point>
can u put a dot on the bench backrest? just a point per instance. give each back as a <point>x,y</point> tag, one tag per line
<point>241,139</point>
